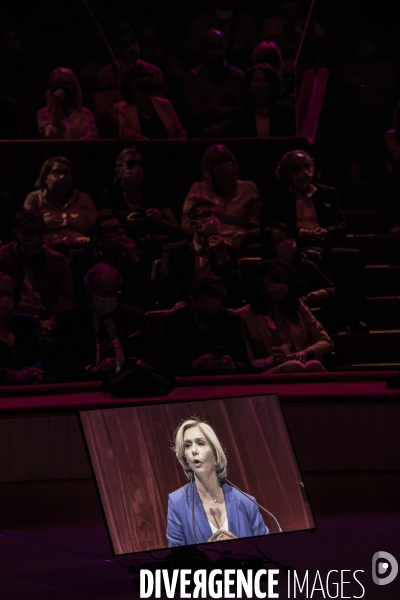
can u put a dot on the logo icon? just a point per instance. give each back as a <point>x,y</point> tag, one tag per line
<point>381,561</point>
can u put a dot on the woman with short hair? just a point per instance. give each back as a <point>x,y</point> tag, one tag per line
<point>237,201</point>
<point>64,117</point>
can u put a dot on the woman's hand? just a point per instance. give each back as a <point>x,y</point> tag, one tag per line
<point>222,534</point>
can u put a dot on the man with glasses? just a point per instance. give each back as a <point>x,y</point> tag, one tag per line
<point>312,213</point>
<point>206,251</point>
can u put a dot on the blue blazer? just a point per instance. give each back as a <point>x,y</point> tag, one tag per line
<point>244,518</point>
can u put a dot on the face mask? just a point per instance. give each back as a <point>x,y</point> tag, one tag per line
<point>209,227</point>
<point>286,250</point>
<point>30,245</point>
<point>59,184</point>
<point>6,304</point>
<point>132,174</point>
<point>275,292</point>
<point>224,172</point>
<point>104,306</point>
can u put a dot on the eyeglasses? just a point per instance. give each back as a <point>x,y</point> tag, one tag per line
<point>130,164</point>
<point>301,166</point>
<point>60,172</point>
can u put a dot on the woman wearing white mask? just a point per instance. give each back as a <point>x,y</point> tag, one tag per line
<point>281,334</point>
<point>20,341</point>
<point>238,202</point>
<point>67,212</point>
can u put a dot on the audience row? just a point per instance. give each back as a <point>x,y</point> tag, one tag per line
<point>63,248</point>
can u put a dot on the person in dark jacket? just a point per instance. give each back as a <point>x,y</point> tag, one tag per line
<point>263,115</point>
<point>206,251</point>
<point>313,215</point>
<point>204,339</point>
<point>94,339</point>
<point>43,283</point>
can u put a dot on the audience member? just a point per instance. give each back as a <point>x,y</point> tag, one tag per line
<point>109,244</point>
<point>239,29</point>
<point>64,117</point>
<point>67,212</point>
<point>263,115</point>
<point>127,51</point>
<point>281,334</point>
<point>203,338</point>
<point>94,339</point>
<point>131,200</point>
<point>313,216</point>
<point>368,84</point>
<point>41,276</point>
<point>237,202</point>
<point>392,143</point>
<point>268,53</point>
<point>142,116</point>
<point>20,341</point>
<point>286,29</point>
<point>313,286</point>
<point>213,88</point>
<point>206,251</point>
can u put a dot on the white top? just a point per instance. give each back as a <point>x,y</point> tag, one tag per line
<point>223,526</point>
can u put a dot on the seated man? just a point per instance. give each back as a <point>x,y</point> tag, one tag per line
<point>312,213</point>
<point>109,244</point>
<point>204,339</point>
<point>42,279</point>
<point>206,251</point>
<point>213,88</point>
<point>127,51</point>
<point>93,339</point>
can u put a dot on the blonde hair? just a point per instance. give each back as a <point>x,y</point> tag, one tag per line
<point>69,73</point>
<point>212,439</point>
<point>213,152</point>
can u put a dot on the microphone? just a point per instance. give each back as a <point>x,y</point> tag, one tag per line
<point>252,499</point>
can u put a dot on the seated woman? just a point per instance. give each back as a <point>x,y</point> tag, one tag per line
<point>281,334</point>
<point>263,115</point>
<point>237,202</point>
<point>141,116</point>
<point>130,200</point>
<point>20,341</point>
<point>313,287</point>
<point>67,212</point>
<point>207,509</point>
<point>64,117</point>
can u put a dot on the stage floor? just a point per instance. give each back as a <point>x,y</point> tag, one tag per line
<point>74,562</point>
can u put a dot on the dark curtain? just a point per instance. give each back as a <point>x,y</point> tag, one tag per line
<point>136,469</point>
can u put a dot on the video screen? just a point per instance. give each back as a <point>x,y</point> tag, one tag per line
<point>177,474</point>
